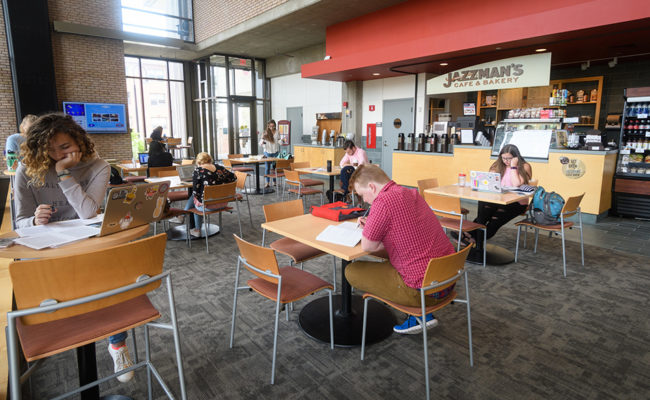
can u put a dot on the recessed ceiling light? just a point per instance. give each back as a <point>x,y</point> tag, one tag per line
<point>498,48</point>
<point>540,50</point>
<point>376,73</point>
<point>444,64</point>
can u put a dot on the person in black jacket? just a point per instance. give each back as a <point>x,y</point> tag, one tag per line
<point>158,156</point>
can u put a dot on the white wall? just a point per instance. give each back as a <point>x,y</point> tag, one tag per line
<point>401,87</point>
<point>313,95</point>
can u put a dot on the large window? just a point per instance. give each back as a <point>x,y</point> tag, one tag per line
<point>156,93</point>
<point>164,18</point>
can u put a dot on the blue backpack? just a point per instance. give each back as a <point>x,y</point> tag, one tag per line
<point>545,208</point>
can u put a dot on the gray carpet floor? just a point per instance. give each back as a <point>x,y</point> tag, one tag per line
<point>537,335</point>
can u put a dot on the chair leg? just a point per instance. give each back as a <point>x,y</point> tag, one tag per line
<point>275,333</point>
<point>188,235</point>
<point>536,236</point>
<point>563,247</point>
<point>239,219</point>
<point>484,247</point>
<point>422,321</point>
<point>135,346</point>
<point>525,237</point>
<point>250,216</point>
<point>517,243</point>
<point>177,339</point>
<point>234,304</point>
<point>329,292</point>
<point>582,243</point>
<point>460,236</point>
<point>206,224</point>
<point>147,352</point>
<point>263,236</point>
<point>469,322</point>
<point>363,329</point>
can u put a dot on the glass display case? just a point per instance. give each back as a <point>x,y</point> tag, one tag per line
<point>533,137</point>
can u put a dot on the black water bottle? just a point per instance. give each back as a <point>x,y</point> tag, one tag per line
<point>329,165</point>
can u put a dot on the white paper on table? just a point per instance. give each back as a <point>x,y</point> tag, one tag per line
<point>54,228</point>
<point>64,236</point>
<point>346,234</point>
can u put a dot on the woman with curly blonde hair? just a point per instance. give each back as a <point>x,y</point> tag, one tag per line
<point>61,177</point>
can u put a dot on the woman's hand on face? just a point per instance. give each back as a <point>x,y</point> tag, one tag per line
<point>70,160</point>
<point>43,214</point>
<point>514,162</point>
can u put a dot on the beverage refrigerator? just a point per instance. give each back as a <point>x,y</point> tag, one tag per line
<point>631,188</point>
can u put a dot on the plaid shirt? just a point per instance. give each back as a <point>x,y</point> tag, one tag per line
<point>410,232</point>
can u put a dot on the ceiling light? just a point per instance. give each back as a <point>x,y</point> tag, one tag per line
<point>444,64</point>
<point>540,50</point>
<point>327,57</point>
<point>498,48</point>
<point>376,74</point>
<point>585,65</point>
<point>613,63</point>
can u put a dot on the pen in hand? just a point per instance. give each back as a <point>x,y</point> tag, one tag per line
<point>360,218</point>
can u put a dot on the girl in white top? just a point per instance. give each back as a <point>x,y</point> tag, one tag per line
<point>270,142</point>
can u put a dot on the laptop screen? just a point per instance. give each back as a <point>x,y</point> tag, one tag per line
<point>143,158</point>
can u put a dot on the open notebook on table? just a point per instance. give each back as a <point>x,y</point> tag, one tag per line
<point>346,234</point>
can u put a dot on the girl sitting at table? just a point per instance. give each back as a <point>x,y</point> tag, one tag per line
<point>159,156</point>
<point>62,177</point>
<point>206,173</point>
<point>514,171</point>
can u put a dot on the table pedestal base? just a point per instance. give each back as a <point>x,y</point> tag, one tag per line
<point>262,190</point>
<point>314,320</point>
<point>179,232</point>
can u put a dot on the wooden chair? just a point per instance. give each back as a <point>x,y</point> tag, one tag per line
<point>217,195</point>
<point>67,302</point>
<point>424,184</point>
<point>241,191</point>
<point>306,181</point>
<point>278,172</point>
<point>154,172</point>
<point>173,143</point>
<point>172,195</point>
<point>292,178</point>
<point>231,166</point>
<point>571,208</point>
<point>188,146</point>
<point>298,252</point>
<point>132,178</point>
<point>282,285</point>
<point>448,211</point>
<point>440,274</point>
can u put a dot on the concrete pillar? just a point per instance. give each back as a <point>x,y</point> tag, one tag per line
<point>352,92</point>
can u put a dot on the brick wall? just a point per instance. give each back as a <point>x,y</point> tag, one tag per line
<point>212,17</point>
<point>91,69</point>
<point>7,105</point>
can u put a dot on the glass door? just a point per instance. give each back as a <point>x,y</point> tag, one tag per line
<point>243,127</point>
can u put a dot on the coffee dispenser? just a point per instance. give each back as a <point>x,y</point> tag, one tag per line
<point>400,141</point>
<point>410,142</point>
<point>444,143</point>
<point>421,140</point>
<point>433,142</point>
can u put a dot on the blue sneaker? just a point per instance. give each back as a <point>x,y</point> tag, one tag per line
<point>411,326</point>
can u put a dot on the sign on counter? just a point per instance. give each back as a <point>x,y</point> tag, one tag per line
<point>509,73</point>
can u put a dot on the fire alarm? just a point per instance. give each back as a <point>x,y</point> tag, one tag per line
<point>371,108</point>
<point>345,104</point>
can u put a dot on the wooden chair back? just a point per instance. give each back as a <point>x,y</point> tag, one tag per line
<point>174,141</point>
<point>72,277</point>
<point>292,177</point>
<point>231,156</point>
<point>219,193</point>
<point>571,205</point>
<point>227,163</point>
<point>127,162</point>
<point>443,268</point>
<point>155,171</point>
<point>302,164</point>
<point>285,209</point>
<point>259,257</point>
<point>241,179</point>
<point>443,205</point>
<point>281,165</point>
<point>425,184</point>
<point>162,174</point>
<point>187,162</point>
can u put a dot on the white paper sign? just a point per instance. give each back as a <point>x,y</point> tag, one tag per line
<point>509,73</point>
<point>467,136</point>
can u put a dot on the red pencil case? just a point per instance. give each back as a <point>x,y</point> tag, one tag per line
<point>337,211</point>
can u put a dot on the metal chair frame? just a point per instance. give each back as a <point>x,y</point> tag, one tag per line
<point>300,186</point>
<point>143,280</point>
<point>216,200</point>
<point>462,273</point>
<point>258,271</point>
<point>461,217</point>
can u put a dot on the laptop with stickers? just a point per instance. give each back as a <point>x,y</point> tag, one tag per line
<point>485,181</point>
<point>132,206</point>
<point>185,172</point>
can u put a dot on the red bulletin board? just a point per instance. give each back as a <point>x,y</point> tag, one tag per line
<point>371,136</point>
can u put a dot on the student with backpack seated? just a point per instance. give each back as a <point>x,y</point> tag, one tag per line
<point>514,171</point>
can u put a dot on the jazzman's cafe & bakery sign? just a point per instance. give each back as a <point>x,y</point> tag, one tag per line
<point>515,72</point>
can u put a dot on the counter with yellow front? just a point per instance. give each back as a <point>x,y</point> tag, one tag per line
<point>567,172</point>
<point>317,155</point>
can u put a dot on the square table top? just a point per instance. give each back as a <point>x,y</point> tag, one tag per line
<point>465,192</point>
<point>305,228</point>
<point>254,160</point>
<point>336,171</point>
